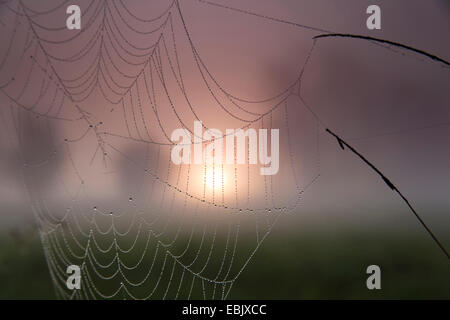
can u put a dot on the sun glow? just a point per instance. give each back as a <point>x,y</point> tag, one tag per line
<point>215,177</point>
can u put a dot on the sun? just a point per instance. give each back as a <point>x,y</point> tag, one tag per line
<point>215,177</point>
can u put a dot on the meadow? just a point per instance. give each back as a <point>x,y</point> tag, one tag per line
<point>313,263</point>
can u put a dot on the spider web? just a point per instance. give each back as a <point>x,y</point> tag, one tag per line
<point>93,126</point>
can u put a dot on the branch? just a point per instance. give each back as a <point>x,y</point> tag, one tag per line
<point>343,144</point>
<point>392,43</point>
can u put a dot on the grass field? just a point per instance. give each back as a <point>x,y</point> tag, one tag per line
<point>314,264</point>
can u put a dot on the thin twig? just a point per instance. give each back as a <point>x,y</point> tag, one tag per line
<point>396,44</point>
<point>344,144</point>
